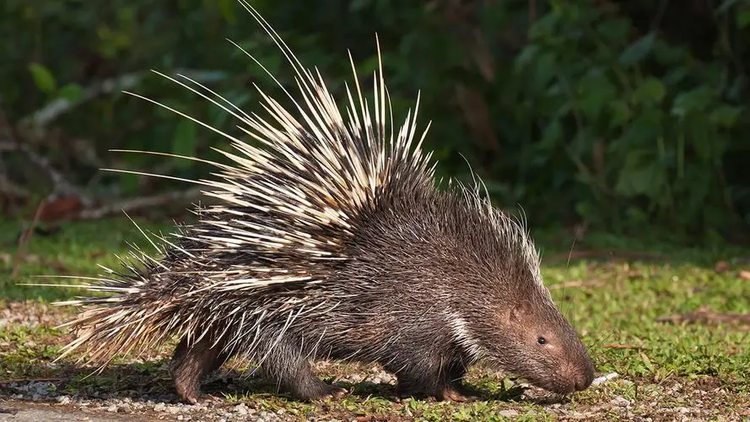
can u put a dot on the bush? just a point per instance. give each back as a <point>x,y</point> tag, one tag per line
<point>609,112</point>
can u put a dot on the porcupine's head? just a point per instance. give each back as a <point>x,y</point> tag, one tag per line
<point>504,314</point>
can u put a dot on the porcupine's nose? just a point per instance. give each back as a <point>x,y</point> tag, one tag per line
<point>584,377</point>
<point>583,382</point>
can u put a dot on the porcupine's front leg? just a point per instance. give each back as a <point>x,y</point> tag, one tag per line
<point>451,388</point>
<point>443,382</point>
<point>291,370</point>
<point>190,363</point>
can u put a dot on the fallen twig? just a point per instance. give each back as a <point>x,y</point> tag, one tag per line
<point>60,183</point>
<point>11,189</point>
<point>138,203</point>
<point>621,346</point>
<point>39,119</point>
<point>24,240</point>
<point>705,315</point>
<point>610,254</point>
<point>576,283</point>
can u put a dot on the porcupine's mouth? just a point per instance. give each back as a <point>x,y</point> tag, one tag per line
<point>562,381</point>
<point>554,381</point>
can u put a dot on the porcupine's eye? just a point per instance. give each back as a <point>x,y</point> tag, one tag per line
<point>541,340</point>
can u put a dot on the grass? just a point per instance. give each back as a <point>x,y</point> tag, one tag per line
<point>668,368</point>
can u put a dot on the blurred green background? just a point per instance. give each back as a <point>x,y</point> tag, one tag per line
<point>628,117</point>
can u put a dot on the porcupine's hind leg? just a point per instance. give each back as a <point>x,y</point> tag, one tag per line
<point>289,367</point>
<point>191,363</point>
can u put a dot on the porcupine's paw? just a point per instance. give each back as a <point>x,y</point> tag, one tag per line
<point>334,393</point>
<point>406,390</point>
<point>210,398</point>
<point>317,390</point>
<point>187,393</point>
<point>200,398</point>
<point>455,393</point>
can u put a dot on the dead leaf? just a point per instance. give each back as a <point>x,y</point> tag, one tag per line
<point>721,266</point>
<point>706,316</point>
<point>621,346</point>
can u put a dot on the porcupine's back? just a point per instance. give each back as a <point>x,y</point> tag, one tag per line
<point>287,212</point>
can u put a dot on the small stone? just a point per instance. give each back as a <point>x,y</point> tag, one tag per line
<point>510,413</point>
<point>63,399</point>
<point>160,407</point>
<point>620,401</point>
<point>241,409</point>
<point>112,408</point>
<point>173,409</point>
<point>605,378</point>
<point>355,378</point>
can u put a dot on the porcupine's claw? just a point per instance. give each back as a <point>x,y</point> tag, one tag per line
<point>456,393</point>
<point>334,393</point>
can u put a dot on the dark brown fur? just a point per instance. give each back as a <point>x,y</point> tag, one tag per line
<point>415,263</point>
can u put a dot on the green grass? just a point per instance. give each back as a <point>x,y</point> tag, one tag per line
<point>76,248</point>
<point>615,304</point>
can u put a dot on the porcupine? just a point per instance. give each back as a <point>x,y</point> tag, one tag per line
<point>333,241</point>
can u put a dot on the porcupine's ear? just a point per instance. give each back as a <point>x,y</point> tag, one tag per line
<point>518,312</point>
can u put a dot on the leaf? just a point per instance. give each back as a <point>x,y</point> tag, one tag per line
<point>359,5</point>
<point>227,10</point>
<point>552,134</point>
<point>640,175</point>
<point>545,70</point>
<point>667,54</point>
<point>614,30</point>
<point>525,57</point>
<point>184,141</point>
<point>545,26</point>
<point>650,91</point>
<point>620,113</point>
<point>725,115</point>
<point>637,51</point>
<point>647,362</point>
<point>43,78</point>
<point>743,18</point>
<point>675,76</point>
<point>71,92</point>
<point>595,91</point>
<point>695,100</point>
<point>728,4</point>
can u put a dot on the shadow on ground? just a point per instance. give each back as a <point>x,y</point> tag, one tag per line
<point>151,381</point>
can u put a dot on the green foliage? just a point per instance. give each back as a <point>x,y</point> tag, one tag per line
<point>611,115</point>
<point>660,122</point>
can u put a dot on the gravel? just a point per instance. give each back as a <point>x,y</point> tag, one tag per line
<point>37,401</point>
